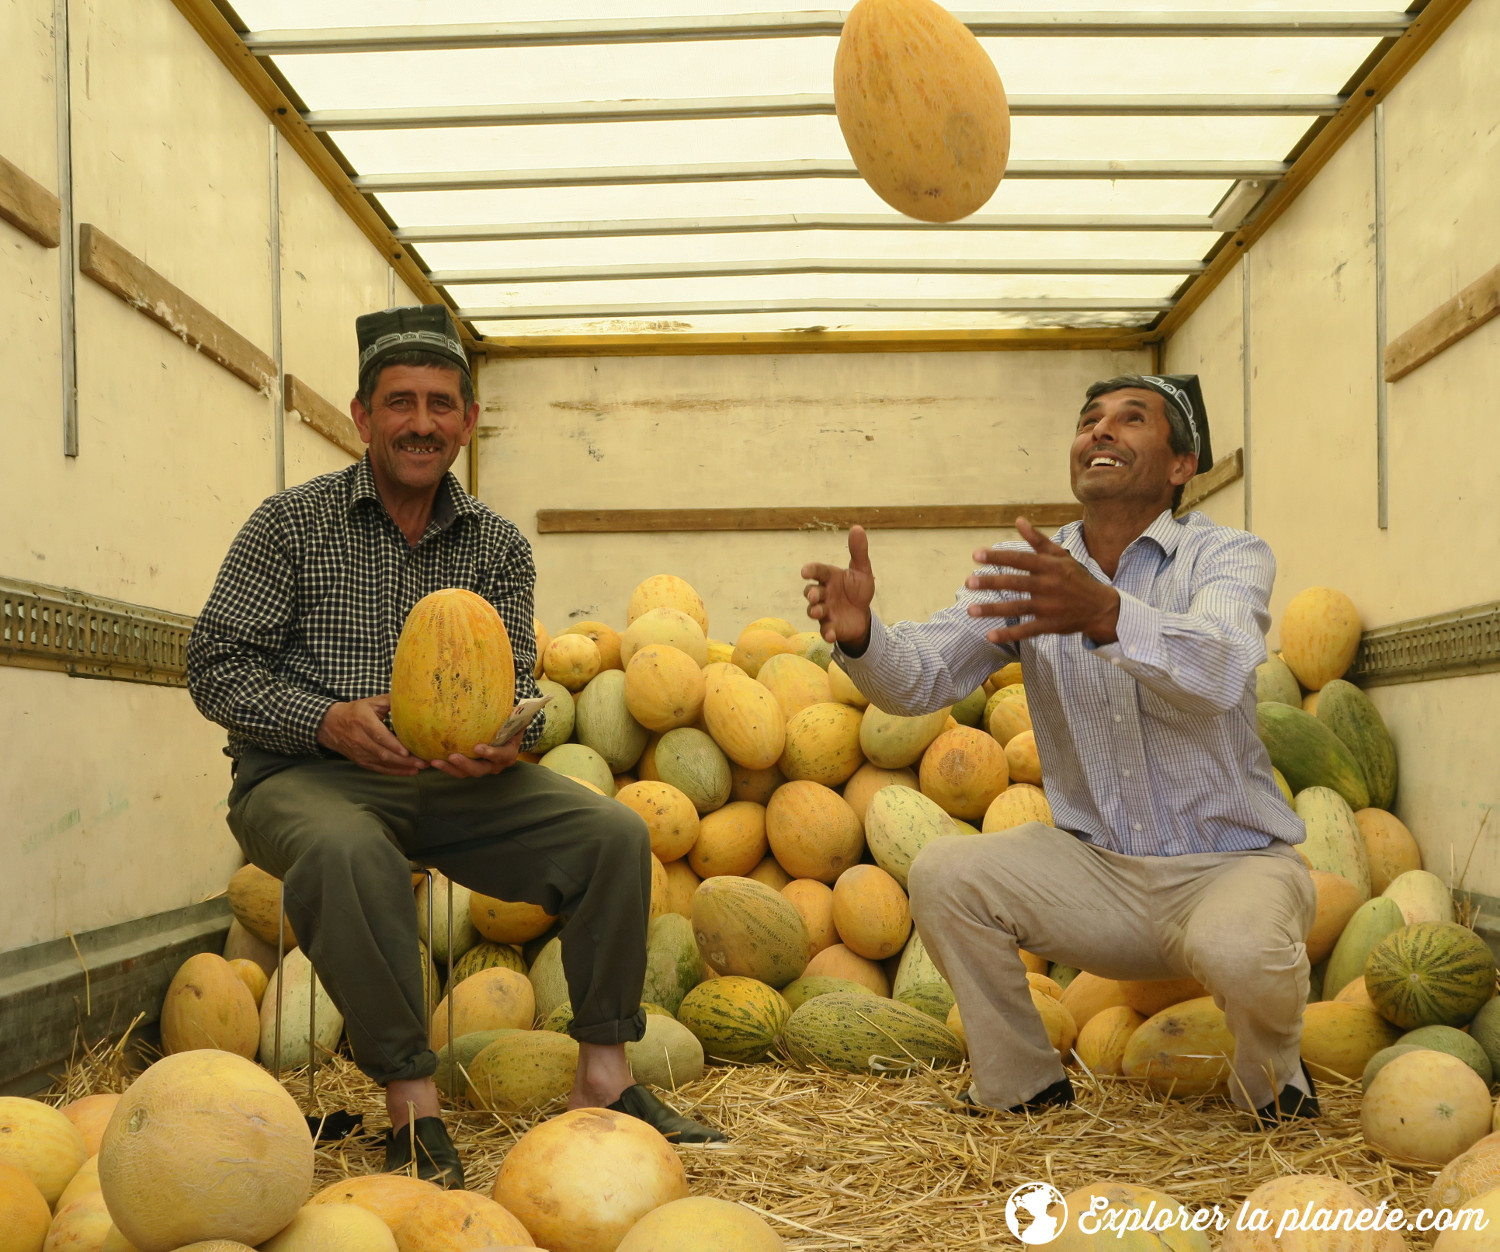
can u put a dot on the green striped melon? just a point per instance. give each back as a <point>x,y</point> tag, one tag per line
<point>1309,754</point>
<point>487,955</point>
<point>1454,1042</point>
<point>1275,681</point>
<point>745,927</point>
<point>673,963</point>
<point>1430,974</point>
<point>577,760</point>
<point>1485,1030</point>
<point>522,1071</point>
<point>858,1033</point>
<point>1423,897</point>
<point>919,983</point>
<point>454,1059</point>
<point>559,714</point>
<point>1372,921</point>
<point>1333,842</point>
<point>692,762</point>
<point>1353,717</point>
<point>899,823</point>
<point>800,990</point>
<point>735,1018</point>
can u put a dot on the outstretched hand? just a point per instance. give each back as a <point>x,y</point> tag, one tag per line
<point>839,599</point>
<point>1056,594</point>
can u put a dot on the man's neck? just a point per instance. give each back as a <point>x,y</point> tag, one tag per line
<point>410,510</point>
<point>1111,526</point>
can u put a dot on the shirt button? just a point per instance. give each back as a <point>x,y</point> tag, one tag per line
<point>1136,826</point>
<point>1117,717</point>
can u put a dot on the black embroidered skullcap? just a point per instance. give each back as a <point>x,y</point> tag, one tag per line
<point>1185,409</point>
<point>429,327</point>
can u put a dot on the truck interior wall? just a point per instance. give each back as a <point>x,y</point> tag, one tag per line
<point>1315,379</point>
<point>113,792</point>
<point>776,430</point>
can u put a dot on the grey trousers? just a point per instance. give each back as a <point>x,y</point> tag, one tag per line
<point>1234,921</point>
<point>342,838</point>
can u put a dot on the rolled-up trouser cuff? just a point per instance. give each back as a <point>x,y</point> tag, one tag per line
<point>627,1030</point>
<point>423,1065</point>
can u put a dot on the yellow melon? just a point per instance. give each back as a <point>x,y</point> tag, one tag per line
<point>746,721</point>
<point>682,882</point>
<point>870,778</point>
<point>720,652</point>
<point>1008,713</point>
<point>1469,1174</point>
<point>204,1145</point>
<point>1338,898</point>
<point>1354,993</point>
<point>670,592</point>
<point>780,625</point>
<point>1150,996</point>
<point>251,974</point>
<point>1319,636</point>
<point>1424,1108</point>
<point>82,1226</point>
<point>41,1142</point>
<point>255,899</point>
<point>1163,1224</point>
<point>1034,964</point>
<point>24,1215</point>
<point>1043,983</point>
<point>580,1181</point>
<point>812,831</point>
<point>508,921</point>
<point>1021,759</point>
<point>459,1221</point>
<point>754,784</point>
<point>822,745</point>
<point>1061,1029</point>
<point>658,889</point>
<point>795,682</point>
<point>836,961</point>
<point>1340,1037</point>
<point>217,1245</point>
<point>814,901</point>
<point>332,1228</point>
<point>492,999</point>
<point>701,1222</point>
<point>755,647</point>
<point>1015,806</point>
<point>770,873</point>
<point>389,1196</point>
<point>669,816</point>
<point>86,1180</point>
<point>1315,1198</point>
<point>843,690</point>
<point>963,771</point>
<point>573,661</point>
<point>542,640</point>
<point>894,742</point>
<point>871,912</point>
<point>91,1114</point>
<point>921,108</point>
<point>606,639</point>
<point>1310,703</point>
<point>1389,847</point>
<point>1474,1230</point>
<point>1185,1050</point>
<point>1102,1042</point>
<point>665,626</point>
<point>209,1006</point>
<point>1088,994</point>
<point>523,1071</point>
<point>955,1022</point>
<point>731,840</point>
<point>664,687</point>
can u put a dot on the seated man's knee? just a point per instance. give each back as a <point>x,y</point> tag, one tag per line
<point>934,872</point>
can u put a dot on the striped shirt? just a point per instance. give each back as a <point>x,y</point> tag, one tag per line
<point>311,599</point>
<point>1148,745</point>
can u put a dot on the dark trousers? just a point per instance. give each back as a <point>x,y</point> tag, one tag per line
<point>342,839</point>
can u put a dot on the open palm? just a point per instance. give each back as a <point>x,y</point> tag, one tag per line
<point>839,599</point>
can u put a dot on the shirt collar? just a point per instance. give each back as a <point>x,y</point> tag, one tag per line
<point>451,502</point>
<point>1165,531</point>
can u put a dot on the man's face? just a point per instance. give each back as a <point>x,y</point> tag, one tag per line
<point>415,425</point>
<point>1123,450</point>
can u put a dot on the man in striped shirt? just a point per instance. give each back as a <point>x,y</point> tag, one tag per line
<point>1172,856</point>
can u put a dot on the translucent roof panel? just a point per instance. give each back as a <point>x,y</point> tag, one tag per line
<point>571,167</point>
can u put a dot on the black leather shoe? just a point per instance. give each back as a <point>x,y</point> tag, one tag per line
<point>637,1101</point>
<point>1057,1095</point>
<point>436,1157</point>
<point>1290,1103</point>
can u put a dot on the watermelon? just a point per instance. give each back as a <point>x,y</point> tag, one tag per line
<point>735,1018</point>
<point>1351,715</point>
<point>1309,754</point>
<point>859,1033</point>
<point>1333,842</point>
<point>1455,1043</point>
<point>1372,922</point>
<point>1430,974</point>
<point>673,964</point>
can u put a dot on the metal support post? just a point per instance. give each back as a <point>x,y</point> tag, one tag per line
<point>67,266</point>
<point>280,962</point>
<point>312,1035</point>
<point>452,1055</point>
<point>1382,388</point>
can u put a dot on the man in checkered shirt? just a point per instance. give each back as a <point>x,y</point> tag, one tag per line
<point>1172,856</point>
<point>292,654</point>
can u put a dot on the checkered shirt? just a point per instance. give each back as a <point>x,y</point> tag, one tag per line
<point>1148,745</point>
<point>311,599</point>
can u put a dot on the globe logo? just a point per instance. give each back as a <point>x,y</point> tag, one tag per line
<point>1027,1216</point>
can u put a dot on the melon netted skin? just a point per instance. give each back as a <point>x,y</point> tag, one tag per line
<point>204,1145</point>
<point>1430,974</point>
<point>24,1215</point>
<point>860,1033</point>
<point>734,1018</point>
<point>41,1142</point>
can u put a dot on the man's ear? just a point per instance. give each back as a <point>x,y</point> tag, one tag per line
<point>361,416</point>
<point>1184,466</point>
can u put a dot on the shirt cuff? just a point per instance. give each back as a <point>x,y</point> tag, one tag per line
<point>874,649</point>
<point>304,713</point>
<point>1137,634</point>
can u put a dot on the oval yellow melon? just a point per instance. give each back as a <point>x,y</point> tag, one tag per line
<point>812,831</point>
<point>1150,996</point>
<point>1337,900</point>
<point>1015,806</point>
<point>543,638</point>
<point>209,1006</point>
<point>731,840</point>
<point>681,883</point>
<point>254,978</point>
<point>746,721</point>
<point>1340,1037</point>
<point>522,1071</point>
<point>822,745</point>
<point>1319,636</point>
<point>204,1145</point>
<point>573,661</point>
<point>83,1226</point>
<point>453,679</point>
<point>606,639</point>
<point>1389,847</point>
<point>508,921</point>
<point>91,1114</point>
<point>720,652</point>
<point>1157,1222</point>
<point>1354,993</point>
<point>1471,1173</point>
<point>1021,759</point>
<point>814,901</point>
<point>871,912</point>
<point>1061,1029</point>
<point>1425,1108</point>
<point>332,1228</point>
<point>701,1222</point>
<point>389,1196</point>
<point>754,784</point>
<point>964,770</point>
<point>580,1181</point>
<point>492,999</point>
<point>667,591</point>
<point>780,625</point>
<point>1009,714</point>
<point>1088,994</point>
<point>955,1022</point>
<point>1102,1042</point>
<point>870,778</point>
<point>843,690</point>
<point>664,687</point>
<point>921,108</point>
<point>1185,1050</point>
<point>240,944</point>
<point>671,627</point>
<point>24,1215</point>
<point>85,1181</point>
<point>746,929</point>
<point>755,647</point>
<point>255,900</point>
<point>770,873</point>
<point>41,1142</point>
<point>1475,1230</point>
<point>458,1221</point>
<point>795,682</point>
<point>894,742</point>
<point>669,816</point>
<point>837,961</point>
<point>1314,1196</point>
<point>214,1245</point>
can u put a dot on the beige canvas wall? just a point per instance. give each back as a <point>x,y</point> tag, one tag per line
<point>1311,340</point>
<point>113,792</point>
<point>753,431</point>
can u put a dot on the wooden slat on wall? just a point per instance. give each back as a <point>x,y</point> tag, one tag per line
<point>141,287</point>
<point>1223,472</point>
<point>831,517</point>
<point>335,426</point>
<point>1451,321</point>
<point>28,206</point>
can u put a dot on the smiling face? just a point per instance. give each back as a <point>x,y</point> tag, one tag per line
<point>1123,450</point>
<point>415,426</point>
